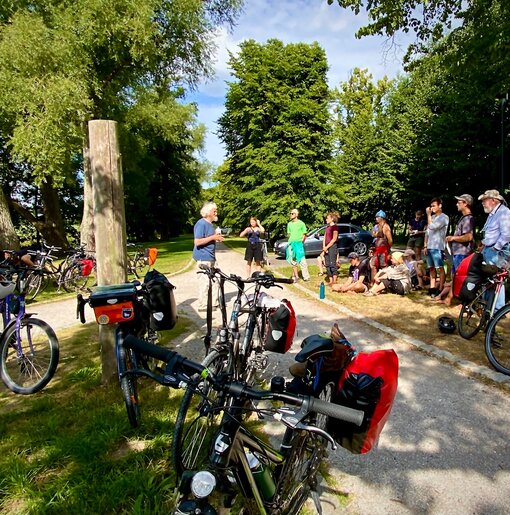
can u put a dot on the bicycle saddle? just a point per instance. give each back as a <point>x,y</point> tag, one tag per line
<point>313,347</point>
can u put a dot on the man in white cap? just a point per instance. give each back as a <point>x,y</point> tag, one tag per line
<point>496,231</point>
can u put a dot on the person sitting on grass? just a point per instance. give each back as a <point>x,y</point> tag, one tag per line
<point>359,276</point>
<point>394,278</point>
<point>415,269</point>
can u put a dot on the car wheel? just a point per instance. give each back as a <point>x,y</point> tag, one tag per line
<point>360,248</point>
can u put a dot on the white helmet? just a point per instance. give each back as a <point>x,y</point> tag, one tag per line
<point>6,287</point>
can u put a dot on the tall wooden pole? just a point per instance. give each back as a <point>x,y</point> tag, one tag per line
<point>109,223</point>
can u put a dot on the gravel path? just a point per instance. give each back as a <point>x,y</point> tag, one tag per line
<point>446,447</point>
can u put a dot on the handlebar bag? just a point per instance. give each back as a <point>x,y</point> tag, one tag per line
<point>468,278</point>
<point>150,255</point>
<point>368,383</point>
<point>281,326</point>
<point>114,304</point>
<point>161,301</point>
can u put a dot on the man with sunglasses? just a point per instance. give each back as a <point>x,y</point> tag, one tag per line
<point>295,254</point>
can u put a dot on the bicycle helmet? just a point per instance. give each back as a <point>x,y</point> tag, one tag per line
<point>447,325</point>
<point>6,287</point>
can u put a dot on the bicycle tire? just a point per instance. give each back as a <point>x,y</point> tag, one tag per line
<point>34,369</point>
<point>36,283</point>
<point>497,341</point>
<point>128,384</point>
<point>190,444</point>
<point>140,267</point>
<point>74,280</point>
<point>473,317</point>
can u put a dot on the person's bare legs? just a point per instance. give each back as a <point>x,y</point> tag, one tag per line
<point>248,269</point>
<point>258,266</point>
<point>432,272</point>
<point>442,277</point>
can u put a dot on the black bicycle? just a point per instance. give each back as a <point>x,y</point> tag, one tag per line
<point>243,469</point>
<point>230,355</point>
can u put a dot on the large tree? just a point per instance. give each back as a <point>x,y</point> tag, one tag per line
<point>277,133</point>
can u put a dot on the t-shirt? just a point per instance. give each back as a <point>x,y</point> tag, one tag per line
<point>296,230</point>
<point>328,235</point>
<point>418,225</point>
<point>356,271</point>
<point>466,224</point>
<point>411,265</point>
<point>203,228</point>
<point>437,231</point>
<point>254,236</point>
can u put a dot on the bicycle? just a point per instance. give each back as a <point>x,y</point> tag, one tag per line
<point>29,349</point>
<point>475,316</point>
<point>265,255</point>
<point>266,480</point>
<point>138,261</point>
<point>229,355</point>
<point>497,340</point>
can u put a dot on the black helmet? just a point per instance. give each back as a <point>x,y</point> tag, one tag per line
<point>447,324</point>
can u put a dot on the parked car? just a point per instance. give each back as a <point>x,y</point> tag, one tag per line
<point>351,238</point>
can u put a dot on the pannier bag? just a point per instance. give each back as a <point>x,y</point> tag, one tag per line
<point>115,303</point>
<point>368,383</point>
<point>161,301</point>
<point>87,265</point>
<point>468,278</point>
<point>150,255</point>
<point>281,326</point>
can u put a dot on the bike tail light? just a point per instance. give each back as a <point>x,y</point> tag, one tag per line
<point>202,484</point>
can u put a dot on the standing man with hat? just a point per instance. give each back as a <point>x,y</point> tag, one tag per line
<point>496,231</point>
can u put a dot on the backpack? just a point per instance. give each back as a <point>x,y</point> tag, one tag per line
<point>468,278</point>
<point>160,301</point>
<point>368,383</point>
<point>281,325</point>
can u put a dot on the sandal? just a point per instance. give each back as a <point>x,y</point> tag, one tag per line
<point>320,274</point>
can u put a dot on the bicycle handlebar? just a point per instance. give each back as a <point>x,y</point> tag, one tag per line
<point>265,279</point>
<point>180,369</point>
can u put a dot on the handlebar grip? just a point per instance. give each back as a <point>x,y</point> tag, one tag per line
<point>283,280</point>
<point>337,411</point>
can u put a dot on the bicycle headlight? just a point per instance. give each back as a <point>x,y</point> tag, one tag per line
<point>202,484</point>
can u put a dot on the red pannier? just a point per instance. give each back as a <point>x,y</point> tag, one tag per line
<point>87,265</point>
<point>368,383</point>
<point>281,326</point>
<point>468,278</point>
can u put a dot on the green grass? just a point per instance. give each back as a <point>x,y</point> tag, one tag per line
<point>173,256</point>
<point>70,448</point>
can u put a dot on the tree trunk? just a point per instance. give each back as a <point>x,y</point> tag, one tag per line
<point>52,229</point>
<point>8,237</point>
<point>87,223</point>
<point>110,224</point>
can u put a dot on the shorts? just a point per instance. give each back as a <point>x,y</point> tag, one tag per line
<point>394,286</point>
<point>253,252</point>
<point>435,258</point>
<point>415,241</point>
<point>382,257</point>
<point>456,261</point>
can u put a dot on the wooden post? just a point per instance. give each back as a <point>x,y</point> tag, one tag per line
<point>109,224</point>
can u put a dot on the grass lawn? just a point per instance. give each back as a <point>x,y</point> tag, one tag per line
<point>173,256</point>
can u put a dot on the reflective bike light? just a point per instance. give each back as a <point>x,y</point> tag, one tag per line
<point>202,484</point>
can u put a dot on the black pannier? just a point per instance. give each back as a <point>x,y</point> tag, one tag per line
<point>161,301</point>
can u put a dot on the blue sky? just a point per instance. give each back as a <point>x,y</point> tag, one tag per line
<point>293,21</point>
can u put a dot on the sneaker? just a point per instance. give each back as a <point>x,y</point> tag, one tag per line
<point>306,280</point>
<point>295,279</point>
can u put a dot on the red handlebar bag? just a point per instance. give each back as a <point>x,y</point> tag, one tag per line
<point>368,383</point>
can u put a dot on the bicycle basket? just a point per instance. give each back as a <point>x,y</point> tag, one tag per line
<point>114,304</point>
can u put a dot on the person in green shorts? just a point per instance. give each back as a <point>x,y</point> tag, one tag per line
<point>296,231</point>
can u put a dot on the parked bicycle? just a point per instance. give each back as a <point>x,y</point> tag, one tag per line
<point>238,358</point>
<point>476,315</point>
<point>29,350</point>
<point>497,340</point>
<point>140,259</point>
<point>265,255</point>
<point>241,466</point>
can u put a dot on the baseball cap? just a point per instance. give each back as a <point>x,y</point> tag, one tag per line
<point>491,194</point>
<point>409,252</point>
<point>468,199</point>
<point>381,213</point>
<point>353,255</point>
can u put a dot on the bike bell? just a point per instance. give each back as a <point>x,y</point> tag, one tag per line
<point>447,324</point>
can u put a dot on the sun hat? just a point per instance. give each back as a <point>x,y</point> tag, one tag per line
<point>409,252</point>
<point>353,255</point>
<point>468,199</point>
<point>491,194</point>
<point>398,256</point>
<point>381,213</point>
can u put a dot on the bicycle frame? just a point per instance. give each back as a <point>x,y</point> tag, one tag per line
<point>8,321</point>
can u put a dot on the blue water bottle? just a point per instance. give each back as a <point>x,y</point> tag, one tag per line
<point>322,291</point>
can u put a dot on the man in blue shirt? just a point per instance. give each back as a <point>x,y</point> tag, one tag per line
<point>496,231</point>
<point>204,251</point>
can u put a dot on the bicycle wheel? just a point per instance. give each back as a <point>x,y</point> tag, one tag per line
<point>28,366</point>
<point>74,280</point>
<point>140,267</point>
<point>194,427</point>
<point>298,478</point>
<point>255,361</point>
<point>497,341</point>
<point>36,283</point>
<point>128,383</point>
<point>473,317</point>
